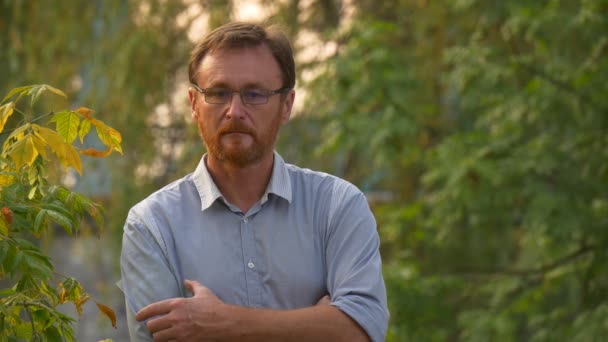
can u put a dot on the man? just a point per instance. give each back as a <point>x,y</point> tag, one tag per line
<point>249,248</point>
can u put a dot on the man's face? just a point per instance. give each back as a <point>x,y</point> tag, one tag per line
<point>236,132</point>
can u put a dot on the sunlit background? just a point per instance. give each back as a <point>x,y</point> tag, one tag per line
<point>477,129</point>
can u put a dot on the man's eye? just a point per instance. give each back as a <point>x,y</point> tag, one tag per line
<point>220,93</point>
<point>254,94</point>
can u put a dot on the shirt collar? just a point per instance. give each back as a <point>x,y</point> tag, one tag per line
<point>205,185</point>
<point>280,183</point>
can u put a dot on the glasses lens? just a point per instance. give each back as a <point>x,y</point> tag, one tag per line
<point>218,95</point>
<point>254,96</point>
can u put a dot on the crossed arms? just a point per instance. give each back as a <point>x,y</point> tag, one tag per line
<point>205,317</point>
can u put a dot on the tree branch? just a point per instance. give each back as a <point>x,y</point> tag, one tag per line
<point>534,271</point>
<point>29,315</point>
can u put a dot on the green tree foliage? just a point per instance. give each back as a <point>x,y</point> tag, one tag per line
<point>32,205</point>
<point>484,127</point>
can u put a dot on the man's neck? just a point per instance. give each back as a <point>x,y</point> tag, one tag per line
<point>242,186</point>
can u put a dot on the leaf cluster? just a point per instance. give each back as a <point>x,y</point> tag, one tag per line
<point>32,207</point>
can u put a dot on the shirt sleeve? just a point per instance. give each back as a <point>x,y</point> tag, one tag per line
<point>146,273</point>
<point>354,267</point>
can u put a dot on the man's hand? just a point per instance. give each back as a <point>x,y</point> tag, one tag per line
<point>325,300</point>
<point>204,317</point>
<point>199,318</point>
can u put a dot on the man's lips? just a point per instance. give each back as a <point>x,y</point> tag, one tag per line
<point>235,132</point>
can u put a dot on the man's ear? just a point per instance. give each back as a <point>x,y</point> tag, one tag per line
<point>192,97</point>
<point>287,106</point>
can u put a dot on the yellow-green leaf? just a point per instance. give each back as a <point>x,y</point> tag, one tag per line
<point>63,295</point>
<point>66,153</point>
<point>6,111</point>
<point>85,127</point>
<point>40,145</point>
<point>55,91</point>
<point>32,193</point>
<point>67,125</point>
<point>20,90</point>
<point>108,135</point>
<point>6,179</point>
<point>37,90</point>
<point>52,139</point>
<point>72,158</point>
<point>3,228</point>
<point>13,137</point>
<point>80,301</point>
<point>23,151</point>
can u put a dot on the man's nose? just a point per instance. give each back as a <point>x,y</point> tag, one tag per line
<point>236,107</point>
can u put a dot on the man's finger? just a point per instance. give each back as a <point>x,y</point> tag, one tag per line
<point>195,287</point>
<point>164,335</point>
<point>159,308</point>
<point>158,324</point>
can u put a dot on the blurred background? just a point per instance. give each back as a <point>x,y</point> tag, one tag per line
<point>478,130</point>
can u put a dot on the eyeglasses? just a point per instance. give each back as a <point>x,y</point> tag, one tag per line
<point>248,96</point>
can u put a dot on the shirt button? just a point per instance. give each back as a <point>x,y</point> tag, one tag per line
<point>245,220</point>
<point>250,264</point>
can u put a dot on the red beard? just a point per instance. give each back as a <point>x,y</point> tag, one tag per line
<point>263,142</point>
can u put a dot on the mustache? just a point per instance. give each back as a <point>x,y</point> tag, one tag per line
<point>235,127</point>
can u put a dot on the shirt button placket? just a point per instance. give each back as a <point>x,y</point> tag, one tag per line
<point>246,257</point>
<point>253,286</point>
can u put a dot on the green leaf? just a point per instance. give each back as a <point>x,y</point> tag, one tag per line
<point>67,125</point>
<point>59,207</point>
<point>51,334</point>
<point>61,220</point>
<point>12,259</point>
<point>38,263</point>
<point>94,210</point>
<point>7,292</point>
<point>39,222</point>
<point>24,331</point>
<point>3,229</point>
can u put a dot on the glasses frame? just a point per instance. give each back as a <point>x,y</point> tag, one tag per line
<point>268,94</point>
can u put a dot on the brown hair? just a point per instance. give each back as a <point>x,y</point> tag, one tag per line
<point>238,35</point>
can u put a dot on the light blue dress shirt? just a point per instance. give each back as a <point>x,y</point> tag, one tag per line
<point>309,235</point>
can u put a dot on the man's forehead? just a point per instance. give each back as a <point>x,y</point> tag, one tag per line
<point>237,62</point>
<point>259,51</point>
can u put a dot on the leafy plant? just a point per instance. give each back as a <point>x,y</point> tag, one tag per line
<point>31,206</point>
